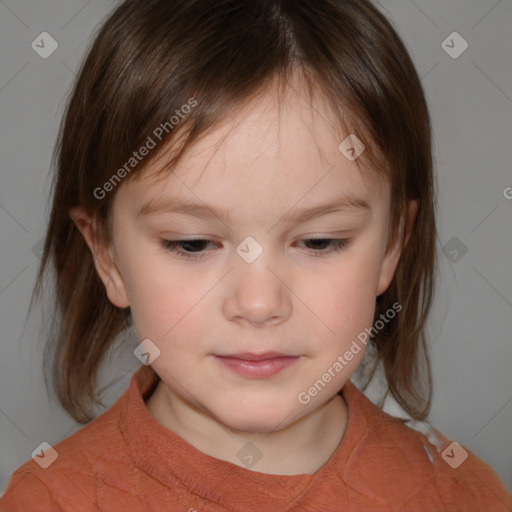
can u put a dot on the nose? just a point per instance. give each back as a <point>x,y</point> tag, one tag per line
<point>257,294</point>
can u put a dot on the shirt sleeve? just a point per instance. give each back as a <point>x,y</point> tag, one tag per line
<point>26,491</point>
<point>474,486</point>
<point>64,489</point>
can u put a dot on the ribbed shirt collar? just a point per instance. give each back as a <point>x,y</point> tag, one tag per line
<point>177,464</point>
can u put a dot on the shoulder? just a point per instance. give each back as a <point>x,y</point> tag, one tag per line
<point>396,464</point>
<point>69,470</point>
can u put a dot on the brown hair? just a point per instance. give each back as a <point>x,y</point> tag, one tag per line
<point>147,60</point>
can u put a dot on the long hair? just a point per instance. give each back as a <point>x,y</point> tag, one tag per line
<point>147,61</point>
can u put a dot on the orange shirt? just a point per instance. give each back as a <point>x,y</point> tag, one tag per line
<point>125,461</point>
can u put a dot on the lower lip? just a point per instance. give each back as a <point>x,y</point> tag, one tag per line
<point>258,369</point>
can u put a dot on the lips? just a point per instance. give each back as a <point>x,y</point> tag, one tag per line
<point>257,366</point>
<point>249,356</point>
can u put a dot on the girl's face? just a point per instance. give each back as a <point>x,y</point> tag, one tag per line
<point>257,189</point>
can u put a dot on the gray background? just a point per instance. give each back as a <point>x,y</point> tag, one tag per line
<point>471,107</point>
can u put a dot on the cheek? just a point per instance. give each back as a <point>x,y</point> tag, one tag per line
<point>344,299</point>
<point>163,299</point>
<point>346,288</point>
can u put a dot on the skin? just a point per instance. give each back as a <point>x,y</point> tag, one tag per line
<point>267,160</point>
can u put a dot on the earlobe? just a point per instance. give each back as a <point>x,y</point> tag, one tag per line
<point>102,257</point>
<point>388,267</point>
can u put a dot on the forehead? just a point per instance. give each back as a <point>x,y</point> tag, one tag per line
<point>276,148</point>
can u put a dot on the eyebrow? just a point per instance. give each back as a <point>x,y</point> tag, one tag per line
<point>294,215</point>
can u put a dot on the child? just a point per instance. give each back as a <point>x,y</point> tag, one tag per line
<point>250,183</point>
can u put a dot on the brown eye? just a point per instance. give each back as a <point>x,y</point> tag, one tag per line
<point>319,245</point>
<point>186,248</point>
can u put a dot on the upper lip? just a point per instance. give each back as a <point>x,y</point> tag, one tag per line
<point>249,356</point>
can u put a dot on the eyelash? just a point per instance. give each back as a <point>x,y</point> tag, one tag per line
<point>172,246</point>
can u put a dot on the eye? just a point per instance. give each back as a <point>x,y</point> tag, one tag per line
<point>186,248</point>
<point>336,244</point>
<point>194,249</point>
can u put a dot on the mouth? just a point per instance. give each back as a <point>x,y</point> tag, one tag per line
<point>251,356</point>
<point>257,366</point>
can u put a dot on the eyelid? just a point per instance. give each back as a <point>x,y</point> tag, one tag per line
<point>337,245</point>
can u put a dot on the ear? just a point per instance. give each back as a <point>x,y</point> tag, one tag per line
<point>392,255</point>
<point>102,256</point>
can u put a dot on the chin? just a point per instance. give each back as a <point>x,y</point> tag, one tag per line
<point>257,419</point>
<point>255,425</point>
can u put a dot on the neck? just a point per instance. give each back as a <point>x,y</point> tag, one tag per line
<point>300,448</point>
